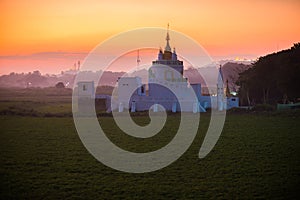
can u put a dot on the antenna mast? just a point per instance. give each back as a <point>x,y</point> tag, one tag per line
<point>138,60</point>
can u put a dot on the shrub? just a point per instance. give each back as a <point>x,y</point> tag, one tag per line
<point>238,110</point>
<point>263,107</point>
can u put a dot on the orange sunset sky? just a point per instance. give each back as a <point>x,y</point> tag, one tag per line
<point>50,35</point>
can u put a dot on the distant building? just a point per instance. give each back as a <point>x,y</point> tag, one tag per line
<point>86,89</point>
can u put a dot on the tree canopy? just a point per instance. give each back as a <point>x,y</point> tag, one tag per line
<point>60,85</point>
<point>273,78</point>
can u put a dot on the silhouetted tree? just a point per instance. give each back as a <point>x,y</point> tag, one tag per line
<point>60,85</point>
<point>273,78</point>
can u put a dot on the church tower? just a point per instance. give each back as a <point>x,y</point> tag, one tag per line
<point>167,57</point>
<point>166,69</point>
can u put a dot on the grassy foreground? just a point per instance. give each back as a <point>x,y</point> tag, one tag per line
<point>257,156</point>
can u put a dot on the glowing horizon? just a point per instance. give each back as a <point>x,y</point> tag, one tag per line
<point>50,36</point>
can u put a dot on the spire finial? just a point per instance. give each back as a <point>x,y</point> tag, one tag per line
<point>168,48</point>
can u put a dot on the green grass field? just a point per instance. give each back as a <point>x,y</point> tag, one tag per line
<point>257,156</point>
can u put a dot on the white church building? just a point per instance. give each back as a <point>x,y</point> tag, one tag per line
<point>167,87</point>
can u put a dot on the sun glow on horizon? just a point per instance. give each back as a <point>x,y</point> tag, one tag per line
<point>225,29</point>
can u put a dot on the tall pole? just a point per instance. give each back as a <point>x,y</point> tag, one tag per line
<point>138,60</point>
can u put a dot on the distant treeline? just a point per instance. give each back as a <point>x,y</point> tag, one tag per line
<point>274,78</point>
<point>34,79</point>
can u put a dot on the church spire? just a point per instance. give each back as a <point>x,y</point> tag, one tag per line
<point>168,48</point>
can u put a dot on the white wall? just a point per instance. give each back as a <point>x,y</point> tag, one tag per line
<point>86,88</point>
<point>127,86</point>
